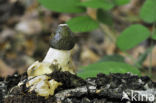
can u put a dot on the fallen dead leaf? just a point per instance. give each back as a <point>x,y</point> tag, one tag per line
<point>5,70</point>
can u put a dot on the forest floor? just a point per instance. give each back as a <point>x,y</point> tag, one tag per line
<point>100,89</point>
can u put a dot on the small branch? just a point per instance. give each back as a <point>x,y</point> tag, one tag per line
<point>150,56</point>
<point>105,29</point>
<point>110,34</point>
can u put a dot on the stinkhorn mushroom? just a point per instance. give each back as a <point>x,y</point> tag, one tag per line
<point>57,57</point>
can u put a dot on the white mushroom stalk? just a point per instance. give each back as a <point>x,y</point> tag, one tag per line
<point>57,57</point>
<point>62,58</point>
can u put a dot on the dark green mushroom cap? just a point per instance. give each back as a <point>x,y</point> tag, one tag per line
<point>63,39</point>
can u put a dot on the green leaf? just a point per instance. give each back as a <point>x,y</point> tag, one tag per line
<point>115,58</point>
<point>121,2</point>
<point>106,68</point>
<point>132,36</point>
<point>67,6</point>
<point>104,17</point>
<point>104,4</point>
<point>148,11</point>
<point>82,24</point>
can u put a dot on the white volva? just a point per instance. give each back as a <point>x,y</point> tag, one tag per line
<point>42,84</point>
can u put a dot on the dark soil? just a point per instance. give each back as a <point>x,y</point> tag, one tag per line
<point>7,83</point>
<point>100,89</point>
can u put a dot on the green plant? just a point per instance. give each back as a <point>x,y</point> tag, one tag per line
<point>87,22</point>
<point>128,39</point>
<point>107,67</point>
<point>137,33</point>
<point>132,36</point>
<point>101,17</point>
